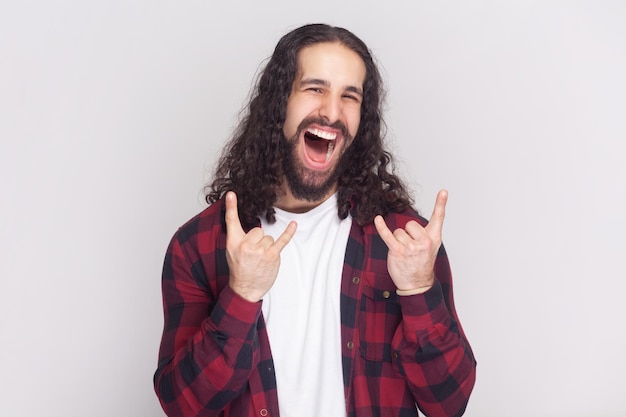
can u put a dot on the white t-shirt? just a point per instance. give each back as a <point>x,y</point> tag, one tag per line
<point>302,314</point>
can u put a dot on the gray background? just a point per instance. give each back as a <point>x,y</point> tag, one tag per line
<point>112,114</point>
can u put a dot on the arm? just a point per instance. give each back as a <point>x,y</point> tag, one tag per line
<point>210,343</point>
<point>209,348</point>
<point>434,355</point>
<point>432,352</point>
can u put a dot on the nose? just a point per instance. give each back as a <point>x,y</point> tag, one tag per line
<point>330,108</point>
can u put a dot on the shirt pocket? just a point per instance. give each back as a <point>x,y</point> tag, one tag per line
<point>379,317</point>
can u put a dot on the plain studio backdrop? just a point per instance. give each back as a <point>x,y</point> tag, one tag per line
<point>112,114</point>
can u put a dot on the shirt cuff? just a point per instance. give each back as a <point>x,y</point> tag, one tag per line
<point>234,315</point>
<point>424,310</point>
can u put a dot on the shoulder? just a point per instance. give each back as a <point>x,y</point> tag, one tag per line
<point>402,218</point>
<point>209,222</point>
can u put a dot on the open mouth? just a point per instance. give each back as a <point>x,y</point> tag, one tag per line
<point>319,145</point>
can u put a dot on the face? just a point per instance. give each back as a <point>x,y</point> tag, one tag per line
<point>322,118</point>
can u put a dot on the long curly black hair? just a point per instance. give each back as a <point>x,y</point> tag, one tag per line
<point>251,162</point>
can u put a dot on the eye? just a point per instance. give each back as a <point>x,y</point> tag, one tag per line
<point>352,97</point>
<point>314,90</point>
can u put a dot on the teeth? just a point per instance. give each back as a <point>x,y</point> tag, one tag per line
<point>331,146</point>
<point>321,134</point>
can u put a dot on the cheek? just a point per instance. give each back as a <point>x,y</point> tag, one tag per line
<point>288,129</point>
<point>292,120</point>
<point>354,122</point>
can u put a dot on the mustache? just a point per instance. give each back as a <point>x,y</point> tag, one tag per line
<point>339,125</point>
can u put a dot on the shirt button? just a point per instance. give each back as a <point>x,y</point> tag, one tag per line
<point>350,345</point>
<point>356,280</point>
<point>385,294</point>
<point>263,412</point>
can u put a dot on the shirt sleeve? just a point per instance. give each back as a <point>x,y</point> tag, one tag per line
<point>209,345</point>
<point>431,349</point>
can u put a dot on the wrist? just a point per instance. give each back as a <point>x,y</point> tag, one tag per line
<point>413,291</point>
<point>246,293</point>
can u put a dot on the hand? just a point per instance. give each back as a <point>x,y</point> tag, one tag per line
<point>253,258</point>
<point>413,250</point>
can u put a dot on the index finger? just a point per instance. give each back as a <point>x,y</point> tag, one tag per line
<point>385,233</point>
<point>233,225</point>
<point>439,212</point>
<point>285,237</point>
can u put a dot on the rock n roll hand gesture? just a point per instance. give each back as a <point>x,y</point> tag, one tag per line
<point>253,257</point>
<point>413,250</point>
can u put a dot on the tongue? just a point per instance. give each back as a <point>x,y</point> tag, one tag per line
<point>317,150</point>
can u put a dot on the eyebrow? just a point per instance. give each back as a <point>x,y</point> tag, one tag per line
<point>318,81</point>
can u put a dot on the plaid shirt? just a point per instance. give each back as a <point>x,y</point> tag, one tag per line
<point>397,352</point>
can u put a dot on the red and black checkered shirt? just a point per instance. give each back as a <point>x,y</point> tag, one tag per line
<point>398,353</point>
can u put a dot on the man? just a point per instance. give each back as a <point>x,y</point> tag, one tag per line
<point>310,287</point>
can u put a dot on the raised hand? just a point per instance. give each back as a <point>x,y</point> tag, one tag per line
<point>413,250</point>
<point>253,257</point>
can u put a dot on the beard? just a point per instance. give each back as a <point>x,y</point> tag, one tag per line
<point>305,183</point>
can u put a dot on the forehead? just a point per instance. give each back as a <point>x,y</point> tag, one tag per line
<point>331,62</point>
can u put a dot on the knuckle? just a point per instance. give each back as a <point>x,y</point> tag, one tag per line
<point>412,248</point>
